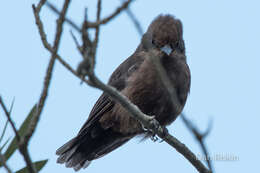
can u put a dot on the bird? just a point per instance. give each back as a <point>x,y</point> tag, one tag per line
<point>109,124</point>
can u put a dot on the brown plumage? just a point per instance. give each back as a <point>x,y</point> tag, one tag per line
<point>109,125</point>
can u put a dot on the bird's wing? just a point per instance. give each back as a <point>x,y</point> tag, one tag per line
<point>118,80</point>
<point>103,105</point>
<point>93,141</point>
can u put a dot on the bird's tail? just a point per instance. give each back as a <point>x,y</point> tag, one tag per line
<point>69,155</point>
<point>81,150</point>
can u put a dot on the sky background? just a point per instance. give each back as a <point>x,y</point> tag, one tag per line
<point>222,45</point>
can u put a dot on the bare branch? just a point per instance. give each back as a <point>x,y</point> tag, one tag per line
<point>4,130</point>
<point>134,20</point>
<point>69,21</point>
<point>7,113</point>
<point>76,41</point>
<point>40,4</point>
<point>95,42</point>
<point>109,18</point>
<point>36,11</point>
<point>23,142</point>
<point>9,119</point>
<point>20,141</point>
<point>3,162</point>
<point>48,46</point>
<point>92,24</point>
<point>200,137</point>
<point>47,79</point>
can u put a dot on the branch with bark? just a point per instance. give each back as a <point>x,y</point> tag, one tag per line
<point>22,145</point>
<point>23,142</point>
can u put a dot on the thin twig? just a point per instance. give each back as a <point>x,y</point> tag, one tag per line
<point>76,41</point>
<point>3,133</point>
<point>134,20</point>
<point>7,113</point>
<point>40,5</point>
<point>69,21</point>
<point>48,76</point>
<point>20,141</point>
<point>92,24</point>
<point>200,138</point>
<point>95,42</point>
<point>109,18</point>
<point>9,119</point>
<point>3,162</point>
<point>87,47</point>
<point>40,27</point>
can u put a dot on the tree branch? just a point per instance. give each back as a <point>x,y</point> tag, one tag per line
<point>9,119</point>
<point>93,24</point>
<point>200,137</point>
<point>3,162</point>
<point>48,76</point>
<point>134,20</point>
<point>69,21</point>
<point>20,141</point>
<point>2,157</point>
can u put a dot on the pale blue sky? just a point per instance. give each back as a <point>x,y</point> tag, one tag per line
<point>222,41</point>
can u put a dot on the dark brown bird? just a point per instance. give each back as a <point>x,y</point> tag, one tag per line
<point>109,125</point>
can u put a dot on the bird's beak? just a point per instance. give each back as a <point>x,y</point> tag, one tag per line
<point>166,49</point>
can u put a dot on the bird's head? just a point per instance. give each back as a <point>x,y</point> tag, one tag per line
<point>165,33</point>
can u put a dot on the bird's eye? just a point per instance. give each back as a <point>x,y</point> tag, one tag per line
<point>153,42</point>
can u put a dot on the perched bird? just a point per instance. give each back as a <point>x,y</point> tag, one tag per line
<point>109,125</point>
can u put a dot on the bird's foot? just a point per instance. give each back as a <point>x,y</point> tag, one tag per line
<point>154,137</point>
<point>146,130</point>
<point>155,125</point>
<point>161,129</point>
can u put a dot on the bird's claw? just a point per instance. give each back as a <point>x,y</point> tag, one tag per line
<point>155,124</point>
<point>161,141</point>
<point>145,129</point>
<point>154,138</point>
